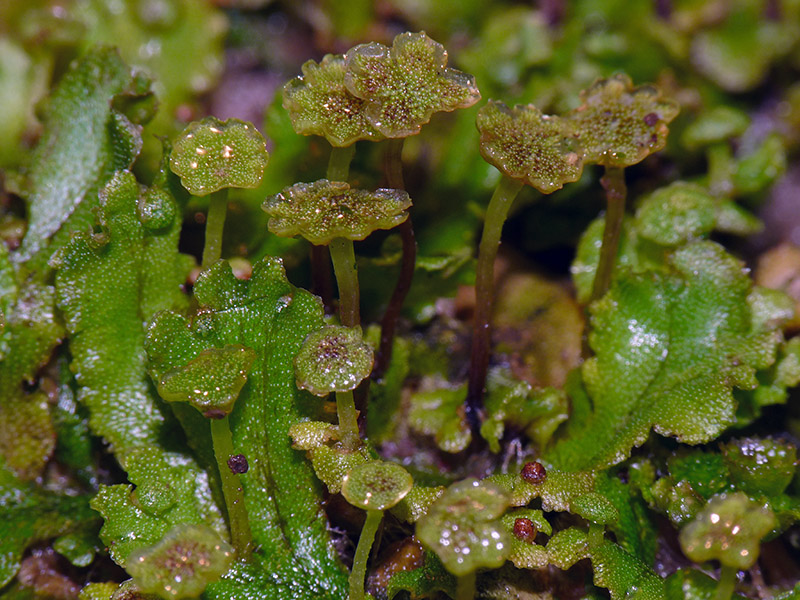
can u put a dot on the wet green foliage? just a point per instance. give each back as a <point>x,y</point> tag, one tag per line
<point>86,138</point>
<point>33,515</point>
<point>210,155</point>
<point>524,144</point>
<point>273,318</point>
<point>687,362</point>
<point>325,210</point>
<point>333,359</point>
<point>610,427</point>
<point>168,492</point>
<point>142,271</point>
<point>182,563</point>
<point>319,104</point>
<point>403,85</point>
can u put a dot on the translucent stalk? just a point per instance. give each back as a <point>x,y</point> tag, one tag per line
<point>465,587</point>
<point>215,224</point>
<point>727,583</point>
<point>241,536</point>
<point>359,570</point>
<point>614,183</point>
<point>496,214</point>
<point>344,267</point>
<point>348,420</point>
<point>339,163</point>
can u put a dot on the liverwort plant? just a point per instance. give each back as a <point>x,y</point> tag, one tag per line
<point>182,564</point>
<point>211,156</point>
<point>374,92</point>
<point>333,214</point>
<point>463,528</point>
<point>375,487</point>
<point>211,383</point>
<point>318,103</point>
<point>729,529</point>
<point>336,359</point>
<point>529,148</point>
<point>402,86</point>
<point>618,126</point>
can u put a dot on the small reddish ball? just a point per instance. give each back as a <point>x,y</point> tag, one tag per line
<point>238,464</point>
<point>534,472</point>
<point>525,530</point>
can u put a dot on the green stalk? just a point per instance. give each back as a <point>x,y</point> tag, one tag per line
<point>338,170</point>
<point>343,257</point>
<point>359,570</point>
<point>496,214</point>
<point>465,587</point>
<point>231,488</point>
<point>614,183</point>
<point>727,583</point>
<point>339,163</point>
<point>348,420</point>
<point>215,223</point>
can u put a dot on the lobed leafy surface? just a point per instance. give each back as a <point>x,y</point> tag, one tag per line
<point>283,497</point>
<point>318,103</point>
<point>170,491</point>
<point>85,143</point>
<point>142,271</point>
<point>31,516</point>
<point>688,353</point>
<point>325,210</point>
<point>539,150</point>
<point>404,85</point>
<point>29,330</point>
<point>618,125</point>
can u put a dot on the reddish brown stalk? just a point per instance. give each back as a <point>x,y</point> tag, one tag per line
<point>392,314</point>
<point>496,214</point>
<point>614,184</point>
<point>393,164</point>
<point>321,280</point>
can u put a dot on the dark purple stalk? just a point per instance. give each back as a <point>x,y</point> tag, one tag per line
<point>321,280</point>
<point>614,184</point>
<point>394,175</point>
<point>496,214</point>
